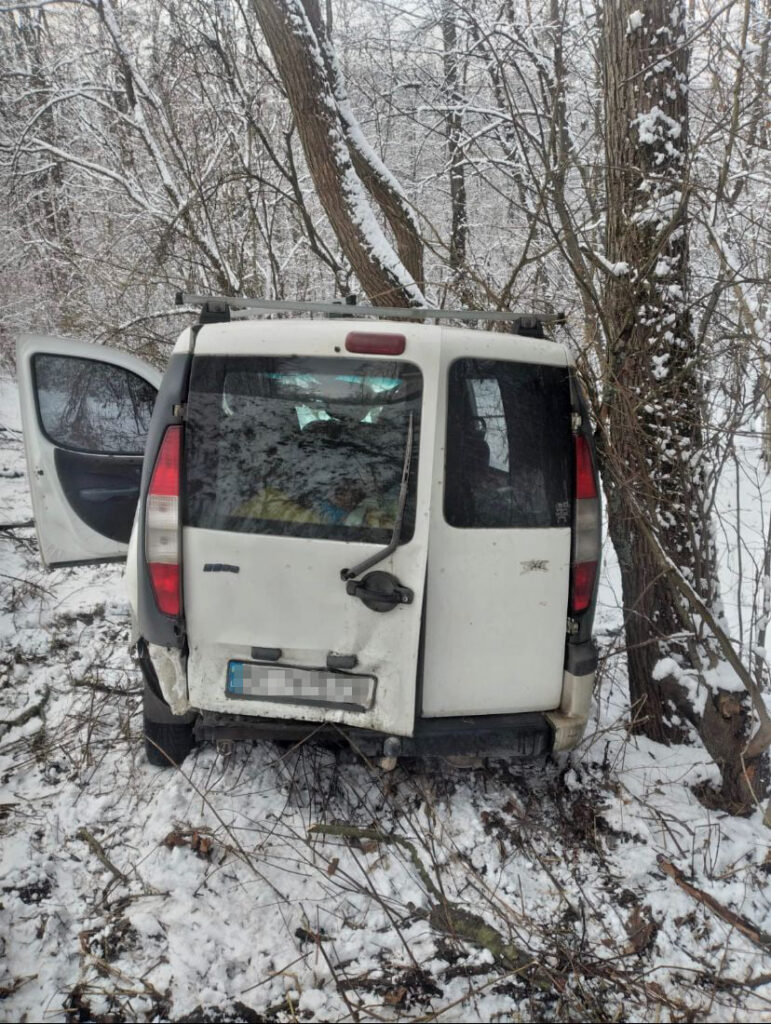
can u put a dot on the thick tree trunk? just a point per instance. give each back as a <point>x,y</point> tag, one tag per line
<point>376,177</point>
<point>654,406</point>
<point>655,468</point>
<point>303,70</point>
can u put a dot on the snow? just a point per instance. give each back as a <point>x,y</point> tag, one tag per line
<point>616,269</point>
<point>653,125</point>
<point>268,919</point>
<point>659,364</point>
<point>634,21</point>
<point>373,236</point>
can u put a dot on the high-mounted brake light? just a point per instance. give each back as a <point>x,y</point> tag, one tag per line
<point>586,529</point>
<point>162,524</point>
<point>373,344</point>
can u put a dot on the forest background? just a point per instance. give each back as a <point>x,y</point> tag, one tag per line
<point>604,159</point>
<point>608,161</point>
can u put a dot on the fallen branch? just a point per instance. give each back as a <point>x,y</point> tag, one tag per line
<point>24,716</point>
<point>103,688</point>
<point>741,924</point>
<point>444,916</point>
<point>99,853</point>
<point>17,526</point>
<point>354,832</point>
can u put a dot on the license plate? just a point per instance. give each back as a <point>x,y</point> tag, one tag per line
<point>291,684</point>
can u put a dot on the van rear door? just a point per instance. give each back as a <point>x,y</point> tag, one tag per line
<point>85,414</point>
<point>296,441</point>
<point>499,563</point>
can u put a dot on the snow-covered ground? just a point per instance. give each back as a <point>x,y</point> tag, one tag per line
<point>275,885</point>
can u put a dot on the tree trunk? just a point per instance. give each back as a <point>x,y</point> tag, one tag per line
<point>453,126</point>
<point>655,466</point>
<point>301,65</point>
<point>654,391</point>
<point>381,184</point>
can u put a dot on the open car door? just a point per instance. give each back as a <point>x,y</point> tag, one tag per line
<point>85,414</point>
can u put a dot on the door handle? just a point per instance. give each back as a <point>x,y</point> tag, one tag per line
<point>380,591</point>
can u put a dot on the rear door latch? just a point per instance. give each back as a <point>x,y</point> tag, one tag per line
<point>380,591</point>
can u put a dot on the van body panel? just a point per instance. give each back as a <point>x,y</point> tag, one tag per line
<point>285,593</point>
<point>496,604</point>
<point>288,595</point>
<point>495,620</point>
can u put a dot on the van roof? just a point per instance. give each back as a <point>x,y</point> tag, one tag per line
<point>254,336</point>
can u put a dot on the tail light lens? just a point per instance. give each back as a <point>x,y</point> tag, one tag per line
<point>370,343</point>
<point>162,524</point>
<point>586,529</point>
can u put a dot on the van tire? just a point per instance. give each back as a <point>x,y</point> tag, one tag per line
<point>167,745</point>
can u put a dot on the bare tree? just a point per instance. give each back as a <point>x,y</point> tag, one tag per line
<point>457,160</point>
<point>345,170</point>
<point>656,453</point>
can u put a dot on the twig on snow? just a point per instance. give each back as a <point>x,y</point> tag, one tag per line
<point>741,924</point>
<point>28,583</point>
<point>99,853</point>
<point>24,716</point>
<point>8,990</point>
<point>444,916</point>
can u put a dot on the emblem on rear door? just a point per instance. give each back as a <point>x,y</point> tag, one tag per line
<point>534,565</point>
<point>221,567</point>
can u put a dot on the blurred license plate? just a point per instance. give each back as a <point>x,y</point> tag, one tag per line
<point>292,685</point>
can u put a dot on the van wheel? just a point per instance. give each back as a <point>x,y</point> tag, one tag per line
<point>167,745</point>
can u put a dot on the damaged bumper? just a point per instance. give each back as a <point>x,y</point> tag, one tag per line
<point>523,736</point>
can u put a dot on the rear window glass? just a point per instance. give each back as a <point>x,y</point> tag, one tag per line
<point>508,459</point>
<point>303,447</point>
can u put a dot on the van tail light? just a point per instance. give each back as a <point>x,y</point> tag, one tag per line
<point>586,528</point>
<point>162,524</point>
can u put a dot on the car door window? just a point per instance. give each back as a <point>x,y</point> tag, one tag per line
<point>509,449</point>
<point>91,406</point>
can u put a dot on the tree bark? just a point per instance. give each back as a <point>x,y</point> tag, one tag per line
<point>301,65</point>
<point>376,177</point>
<point>453,126</point>
<point>655,465</point>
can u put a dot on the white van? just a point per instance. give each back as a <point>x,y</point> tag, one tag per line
<point>339,528</point>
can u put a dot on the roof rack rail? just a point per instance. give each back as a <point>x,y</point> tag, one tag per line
<point>220,307</point>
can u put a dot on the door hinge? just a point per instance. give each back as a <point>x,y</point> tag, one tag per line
<point>179,410</point>
<point>575,421</point>
<point>572,627</point>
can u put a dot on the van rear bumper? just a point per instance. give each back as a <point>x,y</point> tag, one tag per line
<point>524,736</point>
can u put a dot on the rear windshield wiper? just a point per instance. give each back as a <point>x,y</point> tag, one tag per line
<point>349,574</point>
